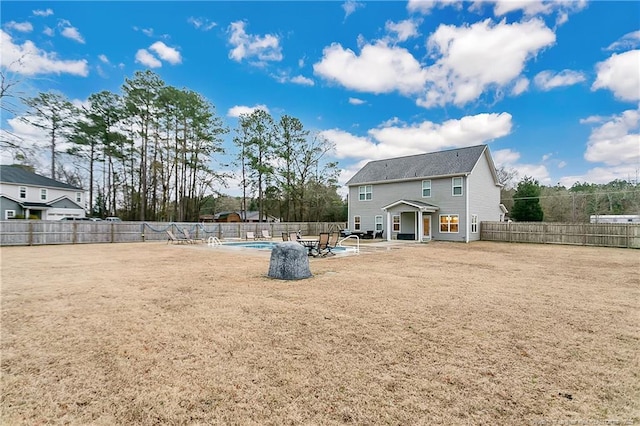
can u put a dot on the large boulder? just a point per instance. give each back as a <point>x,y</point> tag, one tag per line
<point>289,261</point>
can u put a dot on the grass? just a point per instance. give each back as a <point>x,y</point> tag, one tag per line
<point>442,333</point>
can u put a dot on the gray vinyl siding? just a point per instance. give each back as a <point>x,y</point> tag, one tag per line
<point>484,196</point>
<point>7,204</point>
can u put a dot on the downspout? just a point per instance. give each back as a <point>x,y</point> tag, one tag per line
<point>388,225</point>
<point>466,201</point>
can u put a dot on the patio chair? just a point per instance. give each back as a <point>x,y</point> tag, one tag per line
<point>175,240</point>
<point>266,235</point>
<point>285,236</point>
<point>378,234</point>
<point>293,236</point>
<point>251,235</point>
<point>323,244</point>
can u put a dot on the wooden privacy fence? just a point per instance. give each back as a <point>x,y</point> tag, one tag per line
<point>39,232</point>
<point>584,234</point>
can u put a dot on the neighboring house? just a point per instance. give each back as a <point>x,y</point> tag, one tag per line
<point>440,195</point>
<point>236,216</point>
<point>29,195</point>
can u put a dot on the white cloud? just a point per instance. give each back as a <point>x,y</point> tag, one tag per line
<point>147,59</point>
<point>23,27</point>
<point>201,23</point>
<point>45,12</point>
<point>103,58</point>
<point>521,86</point>
<point>628,41</point>
<point>472,59</point>
<point>547,80</point>
<point>73,34</point>
<point>620,74</point>
<point>239,110</point>
<point>70,32</point>
<point>264,48</point>
<point>425,6</point>
<point>27,59</point>
<point>300,79</point>
<point>378,69</point>
<point>530,8</point>
<point>616,141</point>
<point>394,139</point>
<point>166,53</point>
<point>511,160</point>
<point>48,31</point>
<point>403,30</point>
<point>351,6</point>
<point>356,101</point>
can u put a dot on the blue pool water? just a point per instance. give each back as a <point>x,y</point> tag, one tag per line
<point>268,245</point>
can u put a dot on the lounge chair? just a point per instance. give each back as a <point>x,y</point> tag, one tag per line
<point>285,236</point>
<point>251,235</point>
<point>175,240</point>
<point>187,235</point>
<point>266,235</point>
<point>293,236</point>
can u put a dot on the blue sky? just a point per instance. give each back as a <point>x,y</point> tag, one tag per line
<point>552,87</point>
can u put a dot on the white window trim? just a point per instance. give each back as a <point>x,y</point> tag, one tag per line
<point>43,192</point>
<point>393,223</point>
<point>449,224</point>
<point>362,191</point>
<point>20,192</point>
<point>78,197</point>
<point>8,214</point>
<point>454,186</point>
<point>378,223</point>
<point>429,188</point>
<point>474,223</point>
<point>357,224</point>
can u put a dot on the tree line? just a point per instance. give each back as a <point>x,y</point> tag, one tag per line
<point>153,152</point>
<point>530,201</point>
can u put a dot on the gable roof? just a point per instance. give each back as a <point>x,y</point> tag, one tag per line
<point>442,163</point>
<point>19,175</point>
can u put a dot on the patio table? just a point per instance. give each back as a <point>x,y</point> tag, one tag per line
<point>310,243</point>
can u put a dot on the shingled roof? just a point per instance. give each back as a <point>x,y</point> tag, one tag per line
<point>442,163</point>
<point>21,176</point>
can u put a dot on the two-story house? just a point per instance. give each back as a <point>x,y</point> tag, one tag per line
<point>440,195</point>
<point>30,195</point>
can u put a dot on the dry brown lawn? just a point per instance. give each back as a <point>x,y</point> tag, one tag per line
<point>418,334</point>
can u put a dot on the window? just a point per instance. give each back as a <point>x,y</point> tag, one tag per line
<point>78,197</point>
<point>9,214</point>
<point>356,223</point>
<point>456,186</point>
<point>23,192</point>
<point>396,223</point>
<point>474,223</point>
<point>364,192</point>
<point>449,223</point>
<point>426,188</point>
<point>378,223</point>
<point>43,194</point>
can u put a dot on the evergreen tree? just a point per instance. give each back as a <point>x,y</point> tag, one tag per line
<point>526,204</point>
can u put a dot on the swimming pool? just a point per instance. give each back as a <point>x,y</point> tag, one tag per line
<point>269,245</point>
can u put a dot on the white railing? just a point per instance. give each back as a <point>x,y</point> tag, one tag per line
<point>351,236</point>
<point>213,241</point>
